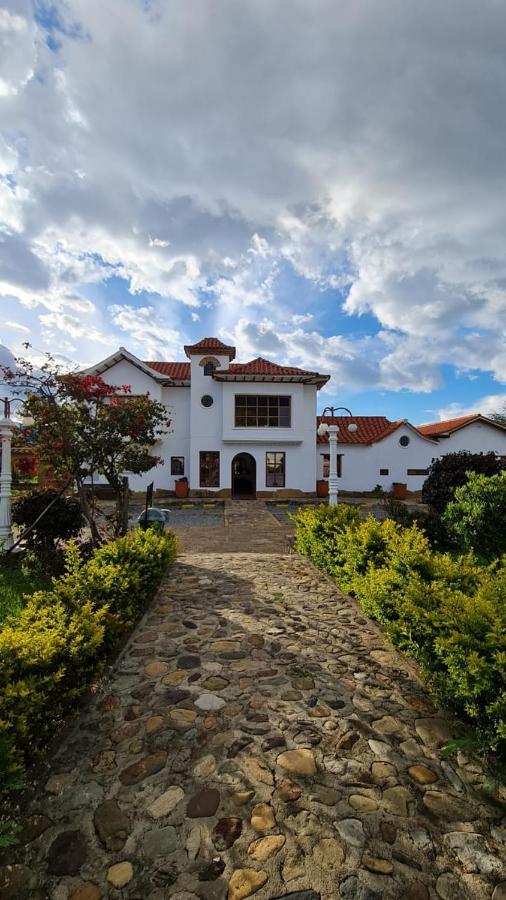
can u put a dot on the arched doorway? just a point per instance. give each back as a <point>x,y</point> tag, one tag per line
<point>244,475</point>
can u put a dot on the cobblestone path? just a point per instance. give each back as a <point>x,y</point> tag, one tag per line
<point>258,738</point>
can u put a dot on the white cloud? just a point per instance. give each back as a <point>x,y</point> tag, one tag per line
<point>493,403</point>
<point>360,147</point>
<point>147,335</point>
<point>16,326</point>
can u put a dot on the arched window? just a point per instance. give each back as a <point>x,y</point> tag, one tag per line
<point>209,364</point>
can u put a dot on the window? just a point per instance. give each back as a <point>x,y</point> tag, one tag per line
<point>262,411</point>
<point>177,465</point>
<point>209,468</point>
<point>417,471</point>
<point>275,469</point>
<point>209,364</point>
<point>326,464</point>
<point>207,401</point>
<point>384,472</point>
<point>404,441</point>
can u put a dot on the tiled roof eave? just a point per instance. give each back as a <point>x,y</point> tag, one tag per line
<point>318,380</point>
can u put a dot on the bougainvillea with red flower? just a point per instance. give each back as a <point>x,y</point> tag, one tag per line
<point>84,428</point>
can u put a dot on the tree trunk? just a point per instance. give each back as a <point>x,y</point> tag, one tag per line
<point>123,502</point>
<point>87,513</point>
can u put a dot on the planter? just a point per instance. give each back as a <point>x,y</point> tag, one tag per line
<point>182,489</point>
<point>322,488</point>
<point>399,490</point>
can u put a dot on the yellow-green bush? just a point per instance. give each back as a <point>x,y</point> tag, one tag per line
<point>448,612</point>
<point>56,646</point>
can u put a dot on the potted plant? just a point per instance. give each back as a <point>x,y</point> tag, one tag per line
<point>322,488</point>
<point>399,490</point>
<point>182,489</point>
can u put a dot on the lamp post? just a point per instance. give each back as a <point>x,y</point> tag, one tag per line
<point>6,429</point>
<point>332,431</point>
<point>6,426</point>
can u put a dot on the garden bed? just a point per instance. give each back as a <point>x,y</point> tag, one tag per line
<point>59,641</point>
<point>447,611</point>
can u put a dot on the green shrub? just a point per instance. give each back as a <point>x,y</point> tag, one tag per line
<point>459,638</point>
<point>448,612</point>
<point>450,471</point>
<point>317,528</point>
<point>57,645</point>
<point>476,517</point>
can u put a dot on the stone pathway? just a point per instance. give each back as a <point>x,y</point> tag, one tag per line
<point>257,737</point>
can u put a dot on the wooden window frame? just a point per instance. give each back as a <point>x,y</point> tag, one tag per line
<point>326,464</point>
<point>210,483</point>
<point>172,461</point>
<point>273,478</point>
<point>271,405</point>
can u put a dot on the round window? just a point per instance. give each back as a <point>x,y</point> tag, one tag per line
<point>404,440</point>
<point>207,400</point>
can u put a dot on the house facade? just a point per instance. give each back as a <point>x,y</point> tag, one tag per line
<point>250,429</point>
<point>236,429</point>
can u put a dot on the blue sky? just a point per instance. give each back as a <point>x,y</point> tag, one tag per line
<point>322,186</point>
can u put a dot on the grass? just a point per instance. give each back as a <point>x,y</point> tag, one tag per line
<point>15,585</point>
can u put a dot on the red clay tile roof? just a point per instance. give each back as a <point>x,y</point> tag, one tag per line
<point>210,345</point>
<point>261,366</point>
<point>448,425</point>
<point>179,371</point>
<point>435,429</point>
<point>370,429</point>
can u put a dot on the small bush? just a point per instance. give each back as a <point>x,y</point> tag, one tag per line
<point>450,471</point>
<point>476,517</point>
<point>62,521</point>
<point>448,612</point>
<point>55,648</point>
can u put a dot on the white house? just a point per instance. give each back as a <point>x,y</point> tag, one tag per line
<point>239,429</point>
<point>251,428</point>
<point>379,452</point>
<point>382,452</point>
<point>474,433</point>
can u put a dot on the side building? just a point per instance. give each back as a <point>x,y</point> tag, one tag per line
<point>381,452</point>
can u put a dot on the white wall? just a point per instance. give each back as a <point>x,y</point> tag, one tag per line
<point>361,463</point>
<point>478,437</point>
<point>176,442</point>
<point>214,429</point>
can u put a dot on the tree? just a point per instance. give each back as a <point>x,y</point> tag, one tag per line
<point>84,427</point>
<point>450,471</point>
<point>476,517</point>
<point>499,417</point>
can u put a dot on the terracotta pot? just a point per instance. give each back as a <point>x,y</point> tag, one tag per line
<point>182,489</point>
<point>322,488</point>
<point>399,490</point>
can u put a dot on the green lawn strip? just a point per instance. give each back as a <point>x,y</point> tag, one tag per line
<point>15,586</point>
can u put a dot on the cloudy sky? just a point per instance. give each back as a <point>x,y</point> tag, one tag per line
<point>320,182</point>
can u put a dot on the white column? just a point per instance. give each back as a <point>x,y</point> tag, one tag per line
<point>6,540</point>
<point>333,481</point>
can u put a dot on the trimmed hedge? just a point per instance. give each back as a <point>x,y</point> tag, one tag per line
<point>57,645</point>
<point>448,612</point>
